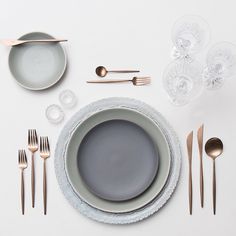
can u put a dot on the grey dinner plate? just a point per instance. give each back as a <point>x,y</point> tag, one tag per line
<point>37,66</point>
<point>91,189</point>
<point>117,160</point>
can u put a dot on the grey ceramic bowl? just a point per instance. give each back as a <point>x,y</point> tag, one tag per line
<point>37,66</point>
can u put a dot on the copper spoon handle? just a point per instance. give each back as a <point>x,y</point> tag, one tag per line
<point>214,187</point>
<point>123,71</point>
<point>190,191</point>
<point>201,184</point>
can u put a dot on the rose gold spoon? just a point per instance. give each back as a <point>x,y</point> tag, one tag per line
<point>102,71</point>
<point>214,148</point>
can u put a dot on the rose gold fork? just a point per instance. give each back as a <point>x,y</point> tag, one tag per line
<point>137,81</point>
<point>12,42</point>
<point>33,147</point>
<point>22,163</point>
<point>44,153</point>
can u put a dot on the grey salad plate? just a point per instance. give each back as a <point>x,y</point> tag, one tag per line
<point>146,137</point>
<point>67,151</point>
<point>37,66</point>
<point>117,160</point>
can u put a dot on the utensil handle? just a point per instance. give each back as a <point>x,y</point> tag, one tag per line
<point>123,71</point>
<point>190,191</point>
<point>45,40</point>
<point>22,193</point>
<point>201,184</point>
<point>44,188</point>
<point>214,187</point>
<point>108,81</point>
<point>32,180</point>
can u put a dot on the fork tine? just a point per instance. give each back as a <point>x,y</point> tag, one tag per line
<point>24,157</point>
<point>40,145</point>
<point>47,145</point>
<point>28,136</point>
<point>36,136</point>
<point>44,144</point>
<point>31,137</point>
<point>18,156</point>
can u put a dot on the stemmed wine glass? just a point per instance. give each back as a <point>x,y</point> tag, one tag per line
<point>182,81</point>
<point>190,34</point>
<point>221,64</point>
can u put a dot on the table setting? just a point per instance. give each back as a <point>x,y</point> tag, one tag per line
<point>107,133</point>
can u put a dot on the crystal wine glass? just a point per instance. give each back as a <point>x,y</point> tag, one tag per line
<point>182,81</point>
<point>221,64</point>
<point>190,34</point>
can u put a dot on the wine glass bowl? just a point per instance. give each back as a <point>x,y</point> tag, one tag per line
<point>190,34</point>
<point>182,81</point>
<point>221,64</point>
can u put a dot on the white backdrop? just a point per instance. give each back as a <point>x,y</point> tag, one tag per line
<point>119,34</point>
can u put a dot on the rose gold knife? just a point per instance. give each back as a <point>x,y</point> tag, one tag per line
<point>200,148</point>
<point>190,188</point>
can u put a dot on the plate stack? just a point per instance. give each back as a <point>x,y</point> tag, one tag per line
<point>118,161</point>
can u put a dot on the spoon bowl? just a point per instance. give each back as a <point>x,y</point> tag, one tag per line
<point>214,147</point>
<point>101,71</point>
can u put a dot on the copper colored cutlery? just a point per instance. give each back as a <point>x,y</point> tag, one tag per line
<point>22,163</point>
<point>102,71</point>
<point>33,147</point>
<point>190,155</point>
<point>16,42</point>
<point>213,148</point>
<point>200,149</point>
<point>44,153</point>
<point>137,81</point>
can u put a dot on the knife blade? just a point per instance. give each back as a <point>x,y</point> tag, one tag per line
<point>200,148</point>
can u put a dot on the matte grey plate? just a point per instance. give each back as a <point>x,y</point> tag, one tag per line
<point>37,66</point>
<point>117,160</point>
<point>90,122</point>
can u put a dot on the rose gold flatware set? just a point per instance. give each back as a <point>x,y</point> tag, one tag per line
<point>101,71</point>
<point>44,149</point>
<point>213,148</point>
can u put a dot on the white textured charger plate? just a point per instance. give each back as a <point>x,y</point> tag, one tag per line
<point>160,145</point>
<point>118,218</point>
<point>37,66</point>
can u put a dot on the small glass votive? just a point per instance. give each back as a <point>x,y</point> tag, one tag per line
<point>67,98</point>
<point>54,114</point>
